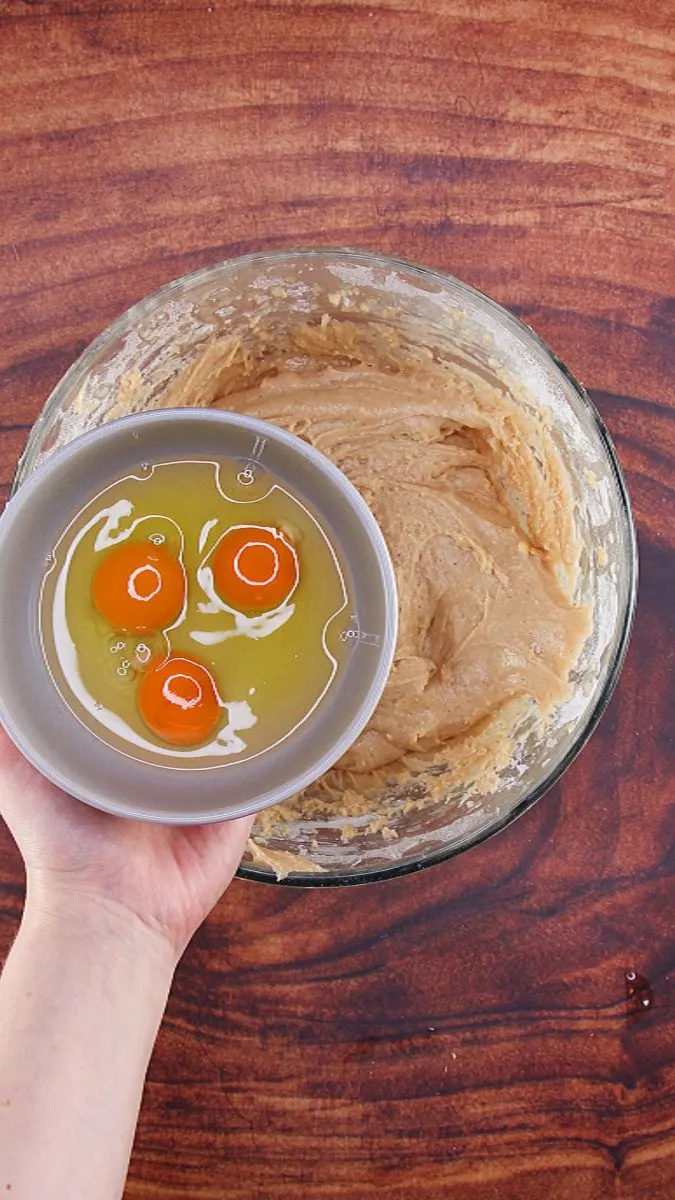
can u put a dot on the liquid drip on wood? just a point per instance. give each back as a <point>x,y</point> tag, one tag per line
<point>639,994</point>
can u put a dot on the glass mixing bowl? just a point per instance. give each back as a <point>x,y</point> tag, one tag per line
<point>256,298</point>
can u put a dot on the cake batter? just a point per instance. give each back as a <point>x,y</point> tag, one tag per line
<point>476,507</point>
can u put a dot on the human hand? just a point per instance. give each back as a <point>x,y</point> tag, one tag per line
<point>164,878</point>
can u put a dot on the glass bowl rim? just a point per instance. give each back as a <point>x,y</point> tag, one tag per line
<point>125,322</point>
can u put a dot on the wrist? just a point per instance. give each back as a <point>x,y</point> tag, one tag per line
<point>71,913</point>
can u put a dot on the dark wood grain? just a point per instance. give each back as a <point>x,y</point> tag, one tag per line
<point>465,1033</point>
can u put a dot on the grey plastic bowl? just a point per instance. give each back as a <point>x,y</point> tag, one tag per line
<point>63,749</point>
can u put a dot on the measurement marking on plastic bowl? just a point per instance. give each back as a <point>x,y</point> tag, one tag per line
<point>357,634</point>
<point>247,476</point>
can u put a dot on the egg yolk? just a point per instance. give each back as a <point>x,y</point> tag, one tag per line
<point>255,569</point>
<point>139,587</point>
<point>178,700</point>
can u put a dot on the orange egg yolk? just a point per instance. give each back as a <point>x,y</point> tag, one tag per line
<point>178,700</point>
<point>139,587</point>
<point>254,569</point>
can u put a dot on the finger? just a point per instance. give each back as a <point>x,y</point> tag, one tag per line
<point>20,782</point>
<point>223,844</point>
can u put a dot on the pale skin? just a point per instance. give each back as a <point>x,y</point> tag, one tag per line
<point>110,907</point>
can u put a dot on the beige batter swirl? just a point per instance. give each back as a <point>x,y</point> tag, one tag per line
<point>474,502</point>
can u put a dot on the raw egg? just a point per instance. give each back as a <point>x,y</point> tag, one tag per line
<point>178,700</point>
<point>254,568</point>
<point>139,587</point>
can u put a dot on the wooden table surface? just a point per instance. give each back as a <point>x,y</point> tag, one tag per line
<point>464,1033</point>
